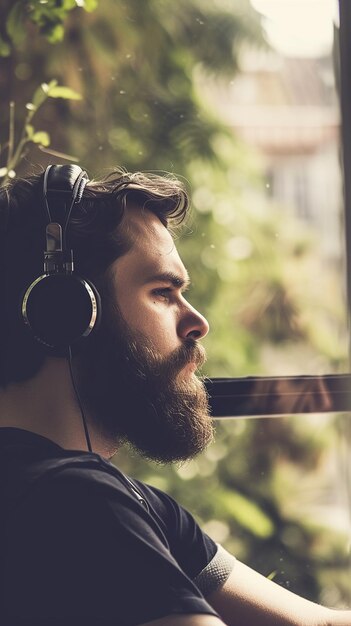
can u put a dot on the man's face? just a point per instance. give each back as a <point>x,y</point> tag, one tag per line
<point>139,380</point>
<point>149,282</point>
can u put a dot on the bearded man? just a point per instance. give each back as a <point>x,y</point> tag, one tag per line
<point>81,542</point>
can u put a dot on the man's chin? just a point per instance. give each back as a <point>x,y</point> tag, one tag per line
<point>177,451</point>
<point>186,428</point>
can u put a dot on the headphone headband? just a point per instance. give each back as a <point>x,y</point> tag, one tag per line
<point>63,180</point>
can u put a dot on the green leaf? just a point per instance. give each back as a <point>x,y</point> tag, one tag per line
<point>42,93</point>
<point>47,86</point>
<point>39,97</point>
<point>68,5</point>
<point>14,23</point>
<point>42,138</point>
<point>63,92</point>
<point>5,49</point>
<point>89,5</point>
<point>55,34</point>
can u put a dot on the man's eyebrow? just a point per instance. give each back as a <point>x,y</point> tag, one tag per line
<point>176,280</point>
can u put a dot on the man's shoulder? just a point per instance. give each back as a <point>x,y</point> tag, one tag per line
<point>44,480</point>
<point>32,466</point>
<point>80,475</point>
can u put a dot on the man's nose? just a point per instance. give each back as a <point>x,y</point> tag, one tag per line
<point>192,324</point>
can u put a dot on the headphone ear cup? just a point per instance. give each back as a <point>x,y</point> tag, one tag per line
<point>61,309</point>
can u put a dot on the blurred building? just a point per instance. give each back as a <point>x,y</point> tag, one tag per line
<point>287,108</point>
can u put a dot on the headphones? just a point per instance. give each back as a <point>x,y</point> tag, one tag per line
<point>59,307</point>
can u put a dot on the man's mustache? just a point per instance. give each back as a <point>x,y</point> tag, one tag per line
<point>166,368</point>
<point>189,352</point>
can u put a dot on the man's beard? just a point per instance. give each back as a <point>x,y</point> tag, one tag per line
<point>135,396</point>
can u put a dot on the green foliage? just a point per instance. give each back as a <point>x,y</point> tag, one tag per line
<point>29,135</point>
<point>48,16</point>
<point>247,514</point>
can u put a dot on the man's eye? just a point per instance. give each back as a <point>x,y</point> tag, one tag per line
<point>163,293</point>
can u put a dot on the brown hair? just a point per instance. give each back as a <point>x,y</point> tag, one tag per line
<point>93,235</point>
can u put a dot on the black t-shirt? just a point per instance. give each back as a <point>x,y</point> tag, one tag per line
<point>80,543</point>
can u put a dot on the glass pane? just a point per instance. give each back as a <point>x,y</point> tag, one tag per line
<point>269,227</point>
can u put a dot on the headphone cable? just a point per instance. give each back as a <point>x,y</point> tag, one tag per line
<point>80,404</point>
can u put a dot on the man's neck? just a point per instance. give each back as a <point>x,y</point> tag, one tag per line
<point>46,405</point>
